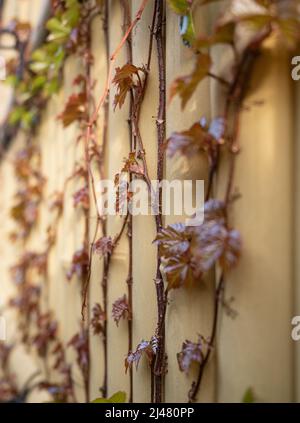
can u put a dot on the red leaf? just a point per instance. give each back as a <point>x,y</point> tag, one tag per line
<point>188,252</point>
<point>174,246</point>
<point>98,318</point>
<point>186,142</point>
<point>214,210</point>
<point>173,240</point>
<point>124,81</point>
<point>216,243</point>
<point>179,271</point>
<point>47,330</point>
<point>132,165</point>
<point>198,138</point>
<point>22,29</point>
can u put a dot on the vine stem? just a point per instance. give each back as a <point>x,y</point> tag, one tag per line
<point>196,385</point>
<point>161,296</point>
<point>233,106</point>
<point>106,265</point>
<point>219,79</point>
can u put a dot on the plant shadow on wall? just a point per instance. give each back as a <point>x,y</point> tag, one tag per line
<point>185,253</point>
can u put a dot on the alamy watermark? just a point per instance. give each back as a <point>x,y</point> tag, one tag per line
<point>138,197</point>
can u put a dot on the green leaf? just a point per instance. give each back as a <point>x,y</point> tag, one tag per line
<point>181,7</point>
<point>248,396</point>
<point>118,397</point>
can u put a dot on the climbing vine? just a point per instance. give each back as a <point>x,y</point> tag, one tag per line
<point>185,254</point>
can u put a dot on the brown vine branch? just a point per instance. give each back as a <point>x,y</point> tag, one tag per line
<point>233,105</point>
<point>196,385</point>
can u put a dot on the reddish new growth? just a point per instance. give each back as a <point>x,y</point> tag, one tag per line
<point>46,333</point>
<point>126,79</point>
<point>80,264</point>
